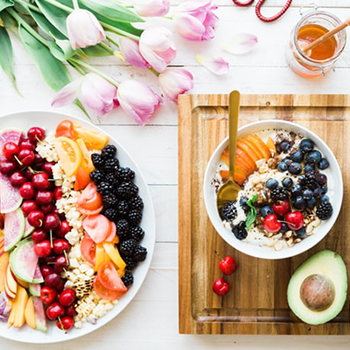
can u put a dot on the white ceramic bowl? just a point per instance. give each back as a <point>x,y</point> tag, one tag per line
<point>335,193</point>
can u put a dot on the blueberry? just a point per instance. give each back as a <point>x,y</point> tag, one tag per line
<point>284,146</point>
<point>287,182</point>
<point>271,184</point>
<point>284,228</point>
<point>299,203</point>
<point>324,198</point>
<point>323,164</point>
<point>296,190</point>
<point>317,192</point>
<point>301,233</point>
<point>308,167</point>
<point>324,189</point>
<point>307,145</point>
<point>322,179</point>
<point>287,160</point>
<point>266,210</point>
<point>295,168</point>
<point>282,167</point>
<point>243,203</point>
<point>314,157</point>
<point>297,156</point>
<point>301,179</point>
<point>311,203</point>
<point>307,194</point>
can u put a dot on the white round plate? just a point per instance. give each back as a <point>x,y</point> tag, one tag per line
<point>49,121</point>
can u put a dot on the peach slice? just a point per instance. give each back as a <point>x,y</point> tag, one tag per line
<point>253,148</point>
<point>270,144</point>
<point>240,162</point>
<point>260,144</point>
<point>29,313</point>
<point>249,161</point>
<point>238,177</point>
<point>248,151</point>
<point>4,261</point>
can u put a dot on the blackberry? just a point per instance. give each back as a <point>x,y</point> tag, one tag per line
<point>97,176</point>
<point>104,188</point>
<point>111,165</point>
<point>140,253</point>
<point>123,208</point>
<point>111,214</point>
<point>127,190</point>
<point>324,210</point>
<point>240,231</point>
<point>136,203</point>
<point>123,229</point>
<point>130,263</point>
<point>279,194</point>
<point>229,211</point>
<point>125,174</point>
<point>311,179</point>
<point>134,217</point>
<point>97,161</point>
<point>137,233</point>
<point>108,151</point>
<point>110,200</point>
<point>127,248</point>
<point>111,179</point>
<point>128,279</point>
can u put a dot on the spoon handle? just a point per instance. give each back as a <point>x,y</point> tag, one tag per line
<point>233,111</point>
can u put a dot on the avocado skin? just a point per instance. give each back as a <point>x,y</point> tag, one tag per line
<point>325,263</point>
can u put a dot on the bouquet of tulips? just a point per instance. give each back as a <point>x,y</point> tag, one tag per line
<point>61,33</point>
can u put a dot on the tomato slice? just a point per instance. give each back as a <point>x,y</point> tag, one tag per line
<point>113,233</point>
<point>98,227</point>
<point>65,128</point>
<point>88,249</point>
<point>89,212</point>
<point>109,278</point>
<point>82,179</point>
<point>105,293</point>
<point>90,199</point>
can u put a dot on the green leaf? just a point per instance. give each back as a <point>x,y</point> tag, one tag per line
<point>252,212</point>
<point>6,57</point>
<point>111,10</point>
<point>96,51</point>
<point>53,71</point>
<point>6,3</point>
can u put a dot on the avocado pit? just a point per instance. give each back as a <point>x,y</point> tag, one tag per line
<point>317,292</point>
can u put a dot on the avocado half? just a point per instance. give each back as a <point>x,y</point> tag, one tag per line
<point>318,288</point>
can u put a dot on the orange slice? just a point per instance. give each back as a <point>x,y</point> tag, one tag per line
<point>93,139</point>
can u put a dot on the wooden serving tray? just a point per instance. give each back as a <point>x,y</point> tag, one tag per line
<point>256,303</point>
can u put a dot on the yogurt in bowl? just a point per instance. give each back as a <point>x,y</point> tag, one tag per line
<point>291,193</point>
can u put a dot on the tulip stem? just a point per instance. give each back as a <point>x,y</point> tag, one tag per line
<point>29,5</point>
<point>78,68</point>
<point>75,4</point>
<point>94,70</point>
<point>154,71</point>
<point>60,6</point>
<point>119,31</point>
<point>106,47</point>
<point>111,40</point>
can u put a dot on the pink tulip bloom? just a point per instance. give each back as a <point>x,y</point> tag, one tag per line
<point>152,8</point>
<point>131,53</point>
<point>138,100</point>
<point>84,29</point>
<point>157,47</point>
<point>95,92</point>
<point>175,81</point>
<point>195,20</point>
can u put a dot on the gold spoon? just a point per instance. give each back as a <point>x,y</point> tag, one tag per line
<point>229,190</point>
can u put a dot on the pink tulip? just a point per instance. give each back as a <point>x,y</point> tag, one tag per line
<point>131,53</point>
<point>195,20</point>
<point>157,47</point>
<point>84,29</point>
<point>95,92</point>
<point>138,100</point>
<point>152,8</point>
<point>175,81</point>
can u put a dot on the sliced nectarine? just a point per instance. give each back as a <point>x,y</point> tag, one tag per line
<point>247,159</point>
<point>247,150</point>
<point>253,148</point>
<point>260,144</point>
<point>4,261</point>
<point>239,176</point>
<point>240,163</point>
<point>270,144</point>
<point>29,313</point>
<point>21,303</point>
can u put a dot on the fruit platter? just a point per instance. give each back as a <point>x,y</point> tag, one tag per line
<point>77,227</point>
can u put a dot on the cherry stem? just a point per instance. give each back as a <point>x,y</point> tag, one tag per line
<point>66,256</point>
<point>34,171</point>
<point>40,141</point>
<point>218,255</point>
<point>288,223</point>
<point>51,241</point>
<point>19,162</point>
<point>61,324</point>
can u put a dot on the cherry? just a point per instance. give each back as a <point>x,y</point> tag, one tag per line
<point>9,150</point>
<point>49,259</point>
<point>26,144</point>
<point>39,235</point>
<point>27,190</point>
<point>67,297</point>
<point>44,197</point>
<point>271,224</point>
<point>281,208</point>
<point>294,220</point>
<point>26,157</point>
<point>41,181</point>
<point>46,270</point>
<point>28,206</point>
<point>17,179</point>
<point>48,295</point>
<point>60,246</point>
<point>47,167</point>
<point>58,193</point>
<point>70,311</point>
<point>60,215</point>
<point>38,161</point>
<point>52,280</point>
<point>60,263</point>
<point>7,167</point>
<point>42,249</point>
<point>65,323</point>
<point>28,173</point>
<point>221,287</point>
<point>36,218</point>
<point>36,134</point>
<point>63,229</point>
<point>54,311</point>
<point>60,285</point>
<point>51,222</point>
<point>47,208</point>
<point>227,264</point>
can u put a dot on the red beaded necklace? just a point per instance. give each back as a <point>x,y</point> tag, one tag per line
<point>258,9</point>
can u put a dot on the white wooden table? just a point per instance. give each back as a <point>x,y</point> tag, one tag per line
<point>151,320</point>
